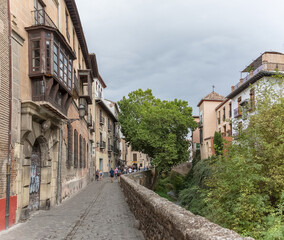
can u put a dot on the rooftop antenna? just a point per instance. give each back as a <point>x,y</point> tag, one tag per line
<point>213,87</point>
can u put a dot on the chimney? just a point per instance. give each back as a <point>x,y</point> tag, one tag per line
<point>233,88</point>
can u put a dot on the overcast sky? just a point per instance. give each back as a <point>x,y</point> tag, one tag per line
<point>179,48</point>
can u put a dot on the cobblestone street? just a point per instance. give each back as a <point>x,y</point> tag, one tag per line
<point>97,212</point>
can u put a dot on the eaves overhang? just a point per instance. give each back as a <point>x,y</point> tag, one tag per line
<point>106,108</point>
<point>74,15</point>
<point>252,80</point>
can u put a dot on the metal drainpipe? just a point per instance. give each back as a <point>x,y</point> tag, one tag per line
<point>8,169</point>
<point>58,196</point>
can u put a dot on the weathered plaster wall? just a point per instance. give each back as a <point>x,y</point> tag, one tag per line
<point>162,219</point>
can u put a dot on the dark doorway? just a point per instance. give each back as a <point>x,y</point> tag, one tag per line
<point>35,177</point>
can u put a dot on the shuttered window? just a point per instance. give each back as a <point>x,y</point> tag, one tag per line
<point>81,151</point>
<point>69,145</point>
<point>75,148</point>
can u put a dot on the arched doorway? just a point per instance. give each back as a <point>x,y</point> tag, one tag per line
<point>35,177</point>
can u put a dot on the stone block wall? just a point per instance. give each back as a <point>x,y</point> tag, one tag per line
<point>4,94</point>
<point>161,219</point>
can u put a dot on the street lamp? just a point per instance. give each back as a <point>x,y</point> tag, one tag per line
<point>82,112</point>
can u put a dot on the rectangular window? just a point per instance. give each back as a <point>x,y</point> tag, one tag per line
<point>134,157</point>
<point>239,106</point>
<point>47,55</point>
<point>84,153</point>
<point>75,148</point>
<point>74,38</point>
<point>36,55</point>
<point>70,74</point>
<point>65,70</point>
<point>69,161</point>
<point>67,25</point>
<point>81,151</point>
<point>61,65</point>
<point>55,59</point>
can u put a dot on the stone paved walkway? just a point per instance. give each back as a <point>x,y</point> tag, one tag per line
<point>98,212</point>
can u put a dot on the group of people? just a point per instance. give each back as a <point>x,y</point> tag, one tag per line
<point>116,173</point>
<point>99,175</point>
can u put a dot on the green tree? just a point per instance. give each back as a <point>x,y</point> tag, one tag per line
<point>157,128</point>
<point>246,188</point>
<point>218,143</point>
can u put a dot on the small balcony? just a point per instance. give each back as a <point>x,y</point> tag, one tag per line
<point>265,66</point>
<point>93,127</point>
<point>86,85</point>
<point>42,18</point>
<point>102,120</point>
<point>237,112</point>
<point>90,120</point>
<point>110,148</point>
<point>102,145</point>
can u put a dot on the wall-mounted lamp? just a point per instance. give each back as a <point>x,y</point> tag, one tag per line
<point>82,111</point>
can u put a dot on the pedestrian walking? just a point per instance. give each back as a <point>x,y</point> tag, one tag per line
<point>129,170</point>
<point>97,175</point>
<point>118,175</point>
<point>115,172</point>
<point>111,174</point>
<point>101,175</point>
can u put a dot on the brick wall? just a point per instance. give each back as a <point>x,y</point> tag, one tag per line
<point>4,93</point>
<point>162,219</point>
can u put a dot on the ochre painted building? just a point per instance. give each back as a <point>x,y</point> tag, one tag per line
<point>52,128</point>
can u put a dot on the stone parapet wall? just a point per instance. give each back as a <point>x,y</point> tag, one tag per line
<point>162,219</point>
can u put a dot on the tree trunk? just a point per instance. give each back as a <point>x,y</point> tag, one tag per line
<point>155,178</point>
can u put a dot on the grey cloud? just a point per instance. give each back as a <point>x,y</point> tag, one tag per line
<point>178,48</point>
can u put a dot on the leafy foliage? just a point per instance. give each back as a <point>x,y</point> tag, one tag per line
<point>171,181</point>
<point>157,128</point>
<point>245,188</point>
<point>218,143</point>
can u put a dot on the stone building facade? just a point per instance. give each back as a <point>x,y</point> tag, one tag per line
<point>52,103</point>
<point>107,137</point>
<point>6,165</point>
<point>208,122</point>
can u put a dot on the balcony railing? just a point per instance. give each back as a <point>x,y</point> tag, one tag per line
<point>237,112</point>
<point>42,18</point>
<point>93,127</point>
<point>85,80</point>
<point>102,120</point>
<point>102,145</point>
<point>110,148</point>
<point>90,120</point>
<point>270,67</point>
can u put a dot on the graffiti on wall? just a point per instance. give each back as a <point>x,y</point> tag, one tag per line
<point>35,182</point>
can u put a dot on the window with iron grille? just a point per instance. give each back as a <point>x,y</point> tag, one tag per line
<point>81,151</point>
<point>69,145</point>
<point>75,148</point>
